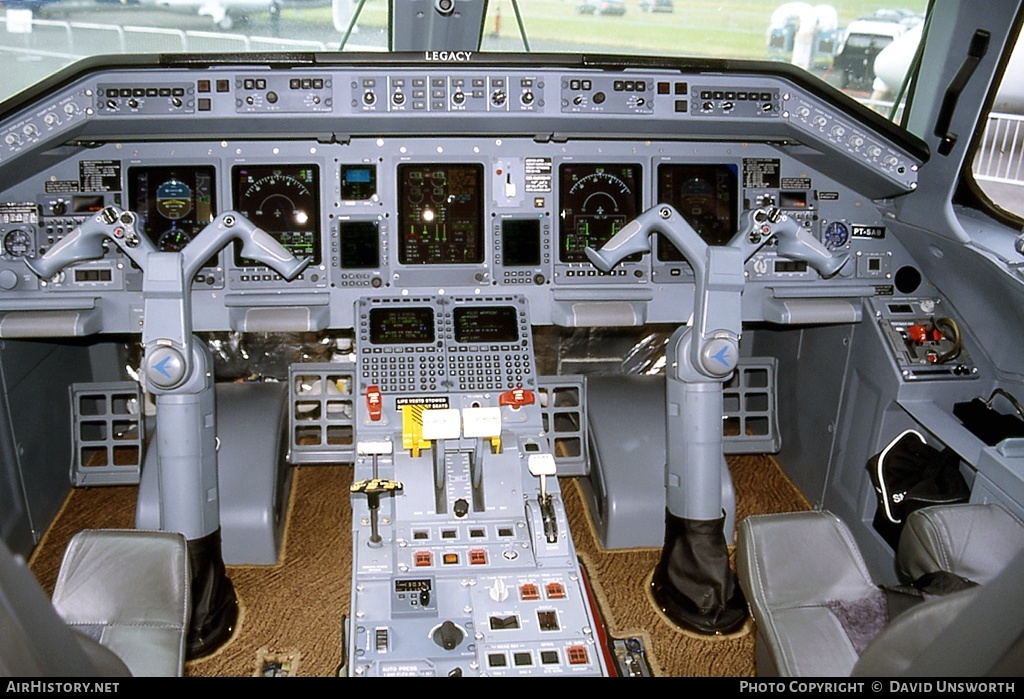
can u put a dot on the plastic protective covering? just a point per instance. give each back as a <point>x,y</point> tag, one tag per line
<point>241,356</point>
<point>267,356</point>
<point>631,351</point>
<point>250,356</point>
<point>263,356</point>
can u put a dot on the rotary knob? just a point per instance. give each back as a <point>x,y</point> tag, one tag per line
<point>8,280</point>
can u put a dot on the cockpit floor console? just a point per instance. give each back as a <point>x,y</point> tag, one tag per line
<point>463,563</point>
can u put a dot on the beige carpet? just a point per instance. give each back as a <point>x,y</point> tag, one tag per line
<point>620,580</point>
<point>292,612</point>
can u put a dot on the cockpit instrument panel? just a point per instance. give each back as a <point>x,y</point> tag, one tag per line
<point>173,203</point>
<point>597,200</point>
<point>440,213</point>
<point>283,200</point>
<point>434,200</point>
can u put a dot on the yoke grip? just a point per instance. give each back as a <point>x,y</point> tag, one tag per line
<point>83,243</point>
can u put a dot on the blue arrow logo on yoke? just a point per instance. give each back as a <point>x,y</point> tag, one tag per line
<point>720,355</point>
<point>162,367</point>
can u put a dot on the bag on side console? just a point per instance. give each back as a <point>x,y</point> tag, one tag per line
<point>909,474</point>
<point>988,424</point>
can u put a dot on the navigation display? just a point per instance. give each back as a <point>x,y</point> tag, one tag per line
<point>596,201</point>
<point>285,202</point>
<point>173,203</point>
<point>705,195</point>
<point>401,326</point>
<point>440,214</point>
<point>486,324</point>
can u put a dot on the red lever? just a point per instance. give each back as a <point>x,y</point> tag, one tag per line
<point>517,397</point>
<point>373,402</point>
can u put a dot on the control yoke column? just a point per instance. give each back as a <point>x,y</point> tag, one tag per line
<point>178,371</point>
<point>693,582</point>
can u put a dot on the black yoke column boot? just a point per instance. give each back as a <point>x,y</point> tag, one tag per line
<point>214,603</point>
<point>693,583</point>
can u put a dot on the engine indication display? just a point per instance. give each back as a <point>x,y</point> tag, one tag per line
<point>485,324</point>
<point>173,203</point>
<point>285,202</point>
<point>358,182</point>
<point>440,213</point>
<point>596,201</point>
<point>703,194</point>
<point>401,326</point>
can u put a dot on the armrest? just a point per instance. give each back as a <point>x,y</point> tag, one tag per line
<point>974,541</point>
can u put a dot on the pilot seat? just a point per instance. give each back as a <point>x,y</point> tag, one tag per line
<point>120,608</point>
<point>819,613</point>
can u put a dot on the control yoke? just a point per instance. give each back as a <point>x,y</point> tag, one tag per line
<point>762,225</point>
<point>177,369</point>
<point>175,362</point>
<point>718,272</point>
<point>87,243</point>
<point>693,582</point>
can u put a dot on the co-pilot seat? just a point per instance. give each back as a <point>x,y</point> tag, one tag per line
<point>120,608</point>
<point>819,613</point>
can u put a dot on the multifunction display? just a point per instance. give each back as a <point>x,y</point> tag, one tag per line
<point>597,200</point>
<point>486,324</point>
<point>173,203</point>
<point>705,195</point>
<point>401,326</point>
<point>520,242</point>
<point>440,213</point>
<point>360,244</point>
<point>283,200</point>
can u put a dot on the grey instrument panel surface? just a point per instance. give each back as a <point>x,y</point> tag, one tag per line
<point>524,129</point>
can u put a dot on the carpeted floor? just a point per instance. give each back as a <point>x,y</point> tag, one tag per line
<point>292,613</point>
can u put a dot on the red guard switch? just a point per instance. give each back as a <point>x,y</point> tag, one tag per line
<point>922,333</point>
<point>516,398</point>
<point>373,402</point>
